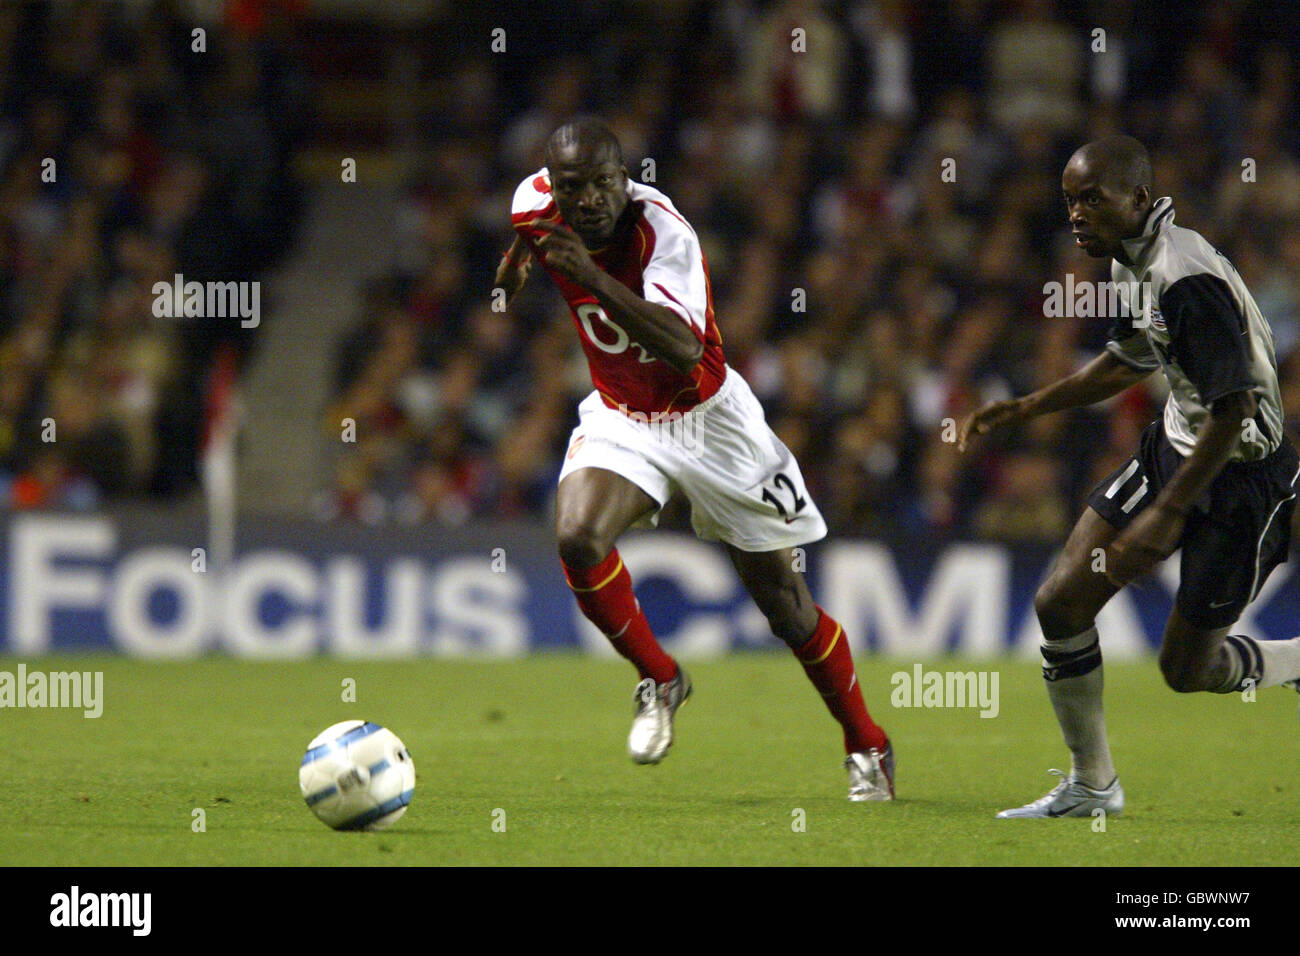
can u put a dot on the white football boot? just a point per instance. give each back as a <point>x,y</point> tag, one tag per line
<point>652,727</point>
<point>1070,798</point>
<point>871,774</point>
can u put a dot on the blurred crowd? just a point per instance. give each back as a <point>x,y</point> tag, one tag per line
<point>869,298</point>
<point>876,185</point>
<point>130,151</point>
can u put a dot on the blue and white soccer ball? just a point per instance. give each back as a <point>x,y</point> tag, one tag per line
<point>357,775</point>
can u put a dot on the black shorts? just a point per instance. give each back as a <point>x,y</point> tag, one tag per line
<point>1235,535</point>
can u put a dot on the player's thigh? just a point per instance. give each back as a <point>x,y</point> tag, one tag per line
<point>593,506</point>
<point>1077,589</point>
<point>780,591</point>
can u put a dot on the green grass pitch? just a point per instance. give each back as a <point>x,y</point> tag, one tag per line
<point>1210,780</point>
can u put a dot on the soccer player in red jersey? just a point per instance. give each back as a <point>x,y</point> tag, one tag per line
<point>667,413</point>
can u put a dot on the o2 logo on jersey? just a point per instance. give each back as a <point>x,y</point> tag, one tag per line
<point>622,341</point>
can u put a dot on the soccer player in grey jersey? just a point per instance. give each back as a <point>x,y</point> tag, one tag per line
<point>1215,475</point>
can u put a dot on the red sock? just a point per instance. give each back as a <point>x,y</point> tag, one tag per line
<point>828,663</point>
<point>605,595</point>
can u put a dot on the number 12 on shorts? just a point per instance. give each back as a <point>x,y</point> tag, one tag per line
<point>785,489</point>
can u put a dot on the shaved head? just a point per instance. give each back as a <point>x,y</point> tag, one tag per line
<point>1107,188</point>
<point>588,179</point>
<point>1119,161</point>
<point>586,136</point>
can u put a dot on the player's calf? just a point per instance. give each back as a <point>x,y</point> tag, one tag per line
<point>1195,657</point>
<point>604,593</point>
<point>780,592</point>
<point>828,662</point>
<point>791,616</point>
<point>1223,663</point>
<point>822,647</point>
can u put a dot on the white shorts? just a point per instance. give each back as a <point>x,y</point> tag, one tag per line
<point>744,486</point>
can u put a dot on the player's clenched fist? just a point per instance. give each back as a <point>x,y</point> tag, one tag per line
<point>995,415</point>
<point>512,273</point>
<point>563,251</point>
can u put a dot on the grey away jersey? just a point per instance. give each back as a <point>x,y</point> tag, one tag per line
<point>1185,310</point>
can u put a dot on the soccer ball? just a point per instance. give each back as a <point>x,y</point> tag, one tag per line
<point>357,775</point>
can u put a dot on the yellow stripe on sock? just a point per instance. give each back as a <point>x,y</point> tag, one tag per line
<point>612,576</point>
<point>838,631</point>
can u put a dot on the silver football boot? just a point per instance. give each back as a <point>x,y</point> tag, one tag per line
<point>1070,798</point>
<point>871,774</point>
<point>652,727</point>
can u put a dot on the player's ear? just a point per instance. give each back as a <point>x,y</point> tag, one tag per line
<point>1142,197</point>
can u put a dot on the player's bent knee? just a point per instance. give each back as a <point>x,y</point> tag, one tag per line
<point>1186,672</point>
<point>1191,656</point>
<point>581,546</point>
<point>1060,614</point>
<point>1179,674</point>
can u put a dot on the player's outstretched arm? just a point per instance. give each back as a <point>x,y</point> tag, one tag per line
<point>1101,378</point>
<point>658,329</point>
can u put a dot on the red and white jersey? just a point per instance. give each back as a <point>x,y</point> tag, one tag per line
<point>658,256</point>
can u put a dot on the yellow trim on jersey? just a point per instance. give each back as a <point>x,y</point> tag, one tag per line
<point>640,253</point>
<point>611,577</point>
<point>536,219</point>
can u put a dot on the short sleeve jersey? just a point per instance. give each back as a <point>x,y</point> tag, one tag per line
<point>657,255</point>
<point>1185,310</point>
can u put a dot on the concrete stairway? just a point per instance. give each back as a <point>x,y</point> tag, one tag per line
<point>314,299</point>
